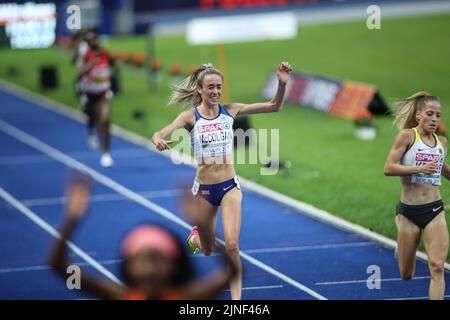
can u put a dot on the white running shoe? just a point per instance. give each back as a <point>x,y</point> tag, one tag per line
<point>93,141</point>
<point>106,160</point>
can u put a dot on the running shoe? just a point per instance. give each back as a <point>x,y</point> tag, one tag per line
<point>189,244</point>
<point>106,160</point>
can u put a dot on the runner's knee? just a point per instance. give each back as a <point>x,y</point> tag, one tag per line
<point>232,247</point>
<point>436,267</point>
<point>406,273</point>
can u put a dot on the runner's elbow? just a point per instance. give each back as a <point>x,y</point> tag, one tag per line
<point>388,171</point>
<point>276,107</point>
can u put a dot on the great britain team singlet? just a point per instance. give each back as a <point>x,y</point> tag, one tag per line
<point>212,138</point>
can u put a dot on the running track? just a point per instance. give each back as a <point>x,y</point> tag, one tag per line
<point>286,254</point>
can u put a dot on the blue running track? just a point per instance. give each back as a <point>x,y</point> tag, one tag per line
<point>286,254</point>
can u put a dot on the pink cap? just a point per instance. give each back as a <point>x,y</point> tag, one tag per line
<point>148,236</point>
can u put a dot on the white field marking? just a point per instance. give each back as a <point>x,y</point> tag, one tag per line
<point>35,159</point>
<point>301,207</point>
<point>52,231</point>
<point>312,247</point>
<point>72,163</point>
<point>365,280</point>
<point>103,197</point>
<point>413,298</point>
<point>300,248</point>
<point>258,288</point>
<point>26,269</point>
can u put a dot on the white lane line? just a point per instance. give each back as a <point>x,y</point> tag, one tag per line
<point>312,247</point>
<point>85,155</point>
<point>365,281</point>
<point>102,197</point>
<point>414,298</point>
<point>25,269</point>
<point>72,163</point>
<point>52,231</point>
<point>258,288</point>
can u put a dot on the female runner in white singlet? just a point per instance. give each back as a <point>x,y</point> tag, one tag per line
<point>211,131</point>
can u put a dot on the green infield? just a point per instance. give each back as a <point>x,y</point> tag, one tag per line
<point>330,168</point>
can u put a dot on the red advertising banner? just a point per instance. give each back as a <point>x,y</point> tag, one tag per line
<point>346,99</point>
<point>352,97</point>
